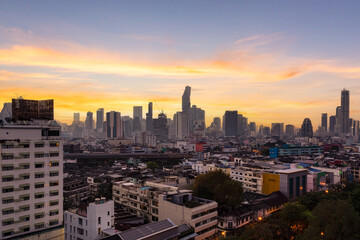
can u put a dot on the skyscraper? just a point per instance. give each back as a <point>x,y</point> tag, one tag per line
<point>277,129</point>
<point>181,124</point>
<point>161,129</point>
<point>217,123</point>
<point>113,125</point>
<point>289,130</point>
<point>332,123</point>
<point>196,118</point>
<point>89,121</point>
<point>186,99</point>
<point>149,118</point>
<point>99,119</point>
<point>76,117</point>
<point>345,109</point>
<point>324,121</point>
<point>137,112</point>
<point>339,120</point>
<point>231,123</point>
<point>306,128</point>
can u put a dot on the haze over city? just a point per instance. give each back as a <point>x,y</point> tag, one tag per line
<point>271,62</point>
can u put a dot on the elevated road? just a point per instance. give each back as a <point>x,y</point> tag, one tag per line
<point>124,156</point>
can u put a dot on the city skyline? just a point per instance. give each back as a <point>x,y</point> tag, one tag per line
<point>270,69</point>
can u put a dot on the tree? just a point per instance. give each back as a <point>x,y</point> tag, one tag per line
<point>355,199</point>
<point>332,220</point>
<point>218,186</point>
<point>152,165</point>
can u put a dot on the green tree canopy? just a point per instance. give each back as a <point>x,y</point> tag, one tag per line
<point>152,165</point>
<point>218,186</point>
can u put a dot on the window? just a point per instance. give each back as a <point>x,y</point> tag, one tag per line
<point>54,154</point>
<point>39,215</point>
<point>39,175</point>
<point>25,187</point>
<point>99,220</point>
<point>7,157</point>
<point>8,179</point>
<point>7,200</point>
<point>54,144</point>
<point>54,203</point>
<point>7,211</point>
<point>55,222</point>
<point>54,164</point>
<point>297,186</point>
<point>39,185</point>
<point>25,208</point>
<point>39,155</point>
<point>39,165</point>
<point>291,188</point>
<point>25,218</point>
<point>25,166</point>
<point>8,168</point>
<point>7,222</point>
<point>39,226</point>
<point>39,205</point>
<point>7,233</point>
<point>53,213</point>
<point>304,184</point>
<point>54,174</point>
<point>54,184</point>
<point>54,194</point>
<point>80,221</point>
<point>108,213</point>
<point>7,189</point>
<point>39,145</point>
<point>25,176</point>
<point>39,195</point>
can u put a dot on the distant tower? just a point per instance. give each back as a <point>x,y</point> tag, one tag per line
<point>324,121</point>
<point>149,118</point>
<point>289,130</point>
<point>306,128</point>
<point>231,123</point>
<point>89,121</point>
<point>113,125</point>
<point>137,118</point>
<point>186,99</point>
<point>76,117</point>
<point>332,123</point>
<point>99,119</point>
<point>345,109</point>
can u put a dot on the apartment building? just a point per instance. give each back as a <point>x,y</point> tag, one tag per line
<point>158,201</point>
<point>88,222</point>
<point>200,214</point>
<point>251,178</point>
<point>31,156</point>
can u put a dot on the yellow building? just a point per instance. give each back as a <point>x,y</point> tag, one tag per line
<point>271,183</point>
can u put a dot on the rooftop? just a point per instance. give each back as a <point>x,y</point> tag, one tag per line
<point>291,170</point>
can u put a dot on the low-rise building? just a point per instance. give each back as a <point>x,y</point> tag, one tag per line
<point>88,222</point>
<point>251,178</point>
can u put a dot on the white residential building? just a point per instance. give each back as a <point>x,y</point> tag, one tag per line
<point>251,178</point>
<point>31,178</point>
<point>87,223</point>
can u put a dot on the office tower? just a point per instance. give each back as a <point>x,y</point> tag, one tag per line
<point>217,123</point>
<point>32,109</point>
<point>113,125</point>
<point>137,112</point>
<point>339,119</point>
<point>31,177</point>
<point>181,124</point>
<point>252,126</point>
<point>277,129</point>
<point>345,108</point>
<point>306,128</point>
<point>196,119</point>
<point>161,129</point>
<point>290,130</point>
<point>332,123</point>
<point>241,125</point>
<point>356,130</point>
<point>266,131</point>
<point>99,119</point>
<point>186,99</point>
<point>324,121</point>
<point>231,123</point>
<point>76,117</point>
<point>149,118</point>
<point>127,126</point>
<point>89,121</point>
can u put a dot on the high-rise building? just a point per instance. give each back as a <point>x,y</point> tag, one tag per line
<point>137,112</point>
<point>89,121</point>
<point>127,126</point>
<point>99,119</point>
<point>332,123</point>
<point>76,117</point>
<point>113,125</point>
<point>345,109</point>
<point>181,124</point>
<point>196,119</point>
<point>217,123</point>
<point>186,99</point>
<point>339,119</point>
<point>277,129</point>
<point>306,128</point>
<point>231,123</point>
<point>290,130</point>
<point>31,178</point>
<point>6,111</point>
<point>252,126</point>
<point>324,121</point>
<point>149,118</point>
<point>161,130</point>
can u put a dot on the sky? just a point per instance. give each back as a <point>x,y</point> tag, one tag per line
<point>273,61</point>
